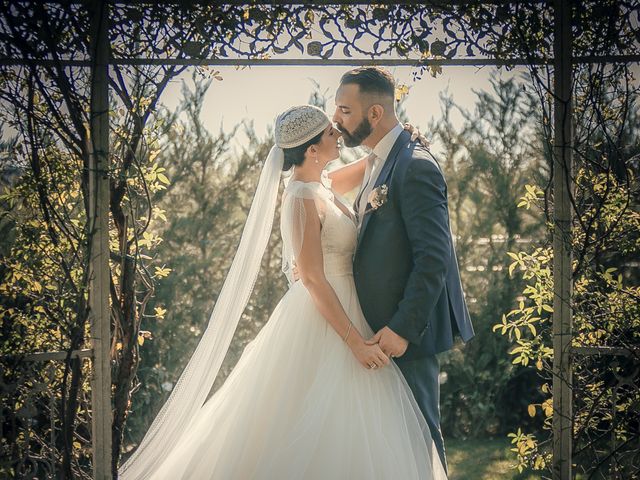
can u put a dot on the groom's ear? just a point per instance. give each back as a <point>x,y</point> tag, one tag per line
<point>376,112</point>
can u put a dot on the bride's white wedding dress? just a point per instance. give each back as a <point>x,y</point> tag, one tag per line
<point>298,405</point>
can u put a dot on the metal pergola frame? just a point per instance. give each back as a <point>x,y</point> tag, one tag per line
<point>99,199</point>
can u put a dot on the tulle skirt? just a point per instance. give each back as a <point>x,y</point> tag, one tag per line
<point>298,405</point>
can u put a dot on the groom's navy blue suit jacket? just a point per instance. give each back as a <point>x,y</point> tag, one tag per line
<point>405,267</point>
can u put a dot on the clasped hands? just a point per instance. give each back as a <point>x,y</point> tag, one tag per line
<point>391,344</point>
<point>377,351</point>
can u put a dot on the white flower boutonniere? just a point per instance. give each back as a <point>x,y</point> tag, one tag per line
<point>377,197</point>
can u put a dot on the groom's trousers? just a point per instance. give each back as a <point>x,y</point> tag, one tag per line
<point>422,376</point>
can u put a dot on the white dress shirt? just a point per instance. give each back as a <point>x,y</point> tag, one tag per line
<point>374,166</point>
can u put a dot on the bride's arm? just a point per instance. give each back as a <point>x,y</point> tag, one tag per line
<point>348,177</point>
<point>311,270</point>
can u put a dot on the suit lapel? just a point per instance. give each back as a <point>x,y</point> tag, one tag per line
<point>385,174</point>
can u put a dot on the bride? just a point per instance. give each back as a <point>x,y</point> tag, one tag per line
<point>308,399</point>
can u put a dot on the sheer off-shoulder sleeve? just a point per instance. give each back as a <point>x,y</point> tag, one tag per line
<point>299,200</point>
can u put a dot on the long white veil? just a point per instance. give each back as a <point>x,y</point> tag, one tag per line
<point>196,380</point>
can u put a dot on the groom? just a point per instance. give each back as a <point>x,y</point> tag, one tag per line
<point>405,267</point>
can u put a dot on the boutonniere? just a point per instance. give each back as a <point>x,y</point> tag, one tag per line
<point>377,197</point>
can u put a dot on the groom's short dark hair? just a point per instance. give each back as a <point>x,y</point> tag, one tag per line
<point>375,80</point>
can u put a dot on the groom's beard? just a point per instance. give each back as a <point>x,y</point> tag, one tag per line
<point>362,131</point>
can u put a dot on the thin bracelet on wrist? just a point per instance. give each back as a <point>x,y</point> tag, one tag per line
<point>348,332</point>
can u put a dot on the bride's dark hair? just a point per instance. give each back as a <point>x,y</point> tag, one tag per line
<point>295,155</point>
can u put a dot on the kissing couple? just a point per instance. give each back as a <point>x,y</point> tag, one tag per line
<point>342,381</point>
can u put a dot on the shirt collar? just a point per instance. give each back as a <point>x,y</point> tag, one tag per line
<point>384,146</point>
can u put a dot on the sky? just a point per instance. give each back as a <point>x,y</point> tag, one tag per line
<point>260,93</point>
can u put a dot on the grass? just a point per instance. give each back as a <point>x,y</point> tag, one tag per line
<point>486,459</point>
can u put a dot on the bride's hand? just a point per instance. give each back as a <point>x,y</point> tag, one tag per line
<point>415,134</point>
<point>369,356</point>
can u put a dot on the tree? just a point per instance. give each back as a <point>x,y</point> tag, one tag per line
<point>487,164</point>
<point>48,105</point>
<point>605,302</point>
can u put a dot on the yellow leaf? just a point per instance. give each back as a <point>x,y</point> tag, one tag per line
<point>532,410</point>
<point>159,213</point>
<point>162,271</point>
<point>140,340</point>
<point>401,91</point>
<point>163,178</point>
<point>309,16</point>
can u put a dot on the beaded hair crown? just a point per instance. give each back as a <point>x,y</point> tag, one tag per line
<point>299,124</point>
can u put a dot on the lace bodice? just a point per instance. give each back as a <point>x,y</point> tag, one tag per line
<point>339,231</point>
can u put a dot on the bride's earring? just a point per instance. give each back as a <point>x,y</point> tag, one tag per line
<point>316,159</point>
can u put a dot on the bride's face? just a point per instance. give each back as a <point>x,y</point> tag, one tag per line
<point>328,148</point>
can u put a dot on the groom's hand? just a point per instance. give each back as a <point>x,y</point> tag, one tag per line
<point>392,344</point>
